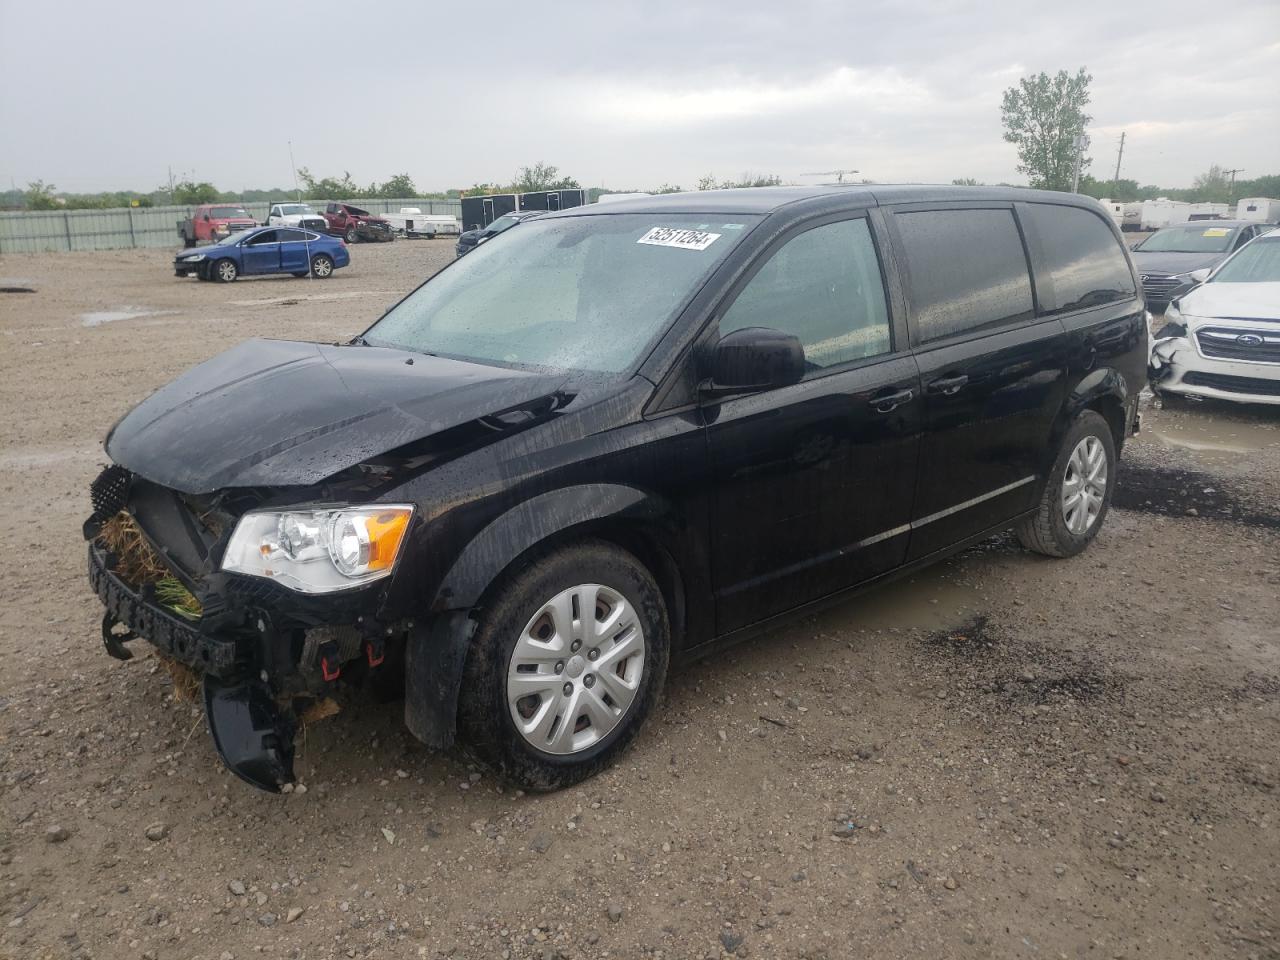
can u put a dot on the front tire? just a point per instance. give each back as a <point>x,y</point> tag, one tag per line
<point>351,236</point>
<point>1077,493</point>
<point>225,271</point>
<point>568,660</point>
<point>321,266</point>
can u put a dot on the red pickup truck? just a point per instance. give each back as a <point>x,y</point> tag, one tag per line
<point>212,222</point>
<point>352,223</point>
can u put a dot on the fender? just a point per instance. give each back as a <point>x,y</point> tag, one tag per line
<point>1102,383</point>
<point>436,652</point>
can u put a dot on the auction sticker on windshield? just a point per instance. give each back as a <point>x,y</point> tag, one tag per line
<point>1215,232</point>
<point>677,237</point>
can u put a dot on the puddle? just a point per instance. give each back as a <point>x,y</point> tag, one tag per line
<point>98,317</point>
<point>927,601</point>
<point>1186,493</point>
<point>1213,430</point>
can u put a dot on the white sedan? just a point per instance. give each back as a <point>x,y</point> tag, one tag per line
<point>1222,339</point>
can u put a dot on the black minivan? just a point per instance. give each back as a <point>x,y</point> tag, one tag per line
<point>614,439</point>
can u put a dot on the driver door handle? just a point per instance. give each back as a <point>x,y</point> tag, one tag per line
<point>948,386</point>
<point>888,402</point>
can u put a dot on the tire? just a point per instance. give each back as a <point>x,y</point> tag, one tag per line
<point>321,266</point>
<point>1048,530</point>
<point>351,236</point>
<point>224,271</point>
<point>517,620</point>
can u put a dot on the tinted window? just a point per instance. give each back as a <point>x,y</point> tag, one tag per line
<point>824,287</point>
<point>1083,257</point>
<point>266,236</point>
<point>290,236</point>
<point>966,270</point>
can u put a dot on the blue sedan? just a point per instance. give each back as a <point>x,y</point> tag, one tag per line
<point>264,250</point>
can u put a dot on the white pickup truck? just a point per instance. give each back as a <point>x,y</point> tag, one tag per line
<point>412,222</point>
<point>296,215</point>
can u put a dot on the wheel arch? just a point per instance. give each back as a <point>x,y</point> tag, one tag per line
<point>1105,391</point>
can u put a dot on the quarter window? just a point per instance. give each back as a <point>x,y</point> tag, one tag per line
<point>966,271</point>
<point>824,287</point>
<point>1083,258</point>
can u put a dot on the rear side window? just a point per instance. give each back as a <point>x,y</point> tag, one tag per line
<point>824,287</point>
<point>966,271</point>
<point>1083,257</point>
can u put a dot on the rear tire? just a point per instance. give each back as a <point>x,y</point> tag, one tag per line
<point>594,675</point>
<point>1077,492</point>
<point>225,271</point>
<point>321,266</point>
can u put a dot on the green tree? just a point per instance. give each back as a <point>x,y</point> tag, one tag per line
<point>709,182</point>
<point>542,176</point>
<point>1213,186</point>
<point>186,193</point>
<point>39,196</point>
<point>1042,116</point>
<point>328,188</point>
<point>400,185</point>
<point>966,182</point>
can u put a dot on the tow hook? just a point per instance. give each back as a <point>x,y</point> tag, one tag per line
<point>375,650</point>
<point>253,735</point>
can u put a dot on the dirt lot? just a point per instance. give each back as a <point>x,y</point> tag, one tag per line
<point>1002,757</point>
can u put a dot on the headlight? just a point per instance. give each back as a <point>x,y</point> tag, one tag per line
<point>319,550</point>
<point>193,258</point>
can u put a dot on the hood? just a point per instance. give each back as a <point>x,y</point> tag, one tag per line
<point>208,250</point>
<point>1239,301</point>
<point>369,218</point>
<point>1175,263</point>
<point>283,413</point>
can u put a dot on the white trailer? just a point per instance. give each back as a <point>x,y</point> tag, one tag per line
<point>412,222</point>
<point>1132,218</point>
<point>1210,211</point>
<point>1163,212</point>
<point>1116,210</point>
<point>1263,209</point>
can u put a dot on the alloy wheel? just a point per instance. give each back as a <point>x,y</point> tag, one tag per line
<point>1084,485</point>
<point>576,669</point>
<point>322,267</point>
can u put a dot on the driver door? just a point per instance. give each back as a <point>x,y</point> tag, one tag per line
<point>262,253</point>
<point>814,482</point>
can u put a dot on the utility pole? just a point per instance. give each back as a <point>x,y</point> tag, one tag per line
<point>1120,156</point>
<point>1082,144</point>
<point>1233,171</point>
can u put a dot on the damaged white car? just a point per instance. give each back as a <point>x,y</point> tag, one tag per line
<point>1222,339</point>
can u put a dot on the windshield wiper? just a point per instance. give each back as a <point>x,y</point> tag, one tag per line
<point>357,341</point>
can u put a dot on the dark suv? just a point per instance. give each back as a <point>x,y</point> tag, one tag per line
<point>613,439</point>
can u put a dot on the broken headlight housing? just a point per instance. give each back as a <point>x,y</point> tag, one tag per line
<point>319,550</point>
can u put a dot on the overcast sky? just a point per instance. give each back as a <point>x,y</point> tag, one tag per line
<point>100,95</point>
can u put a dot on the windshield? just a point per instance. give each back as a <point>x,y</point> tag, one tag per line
<point>584,293</point>
<point>502,223</point>
<point>1257,262</point>
<point>1193,238</point>
<point>230,213</point>
<point>295,209</point>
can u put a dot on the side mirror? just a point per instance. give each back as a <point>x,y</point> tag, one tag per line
<point>755,358</point>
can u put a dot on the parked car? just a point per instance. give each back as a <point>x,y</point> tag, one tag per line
<point>297,215</point>
<point>618,439</point>
<point>212,222</point>
<point>1222,339</point>
<point>412,222</point>
<point>353,224</point>
<point>1173,260</point>
<point>265,250</point>
<point>471,239</point>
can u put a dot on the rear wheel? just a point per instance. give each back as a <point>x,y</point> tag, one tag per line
<point>321,266</point>
<point>224,271</point>
<point>1077,493</point>
<point>568,660</point>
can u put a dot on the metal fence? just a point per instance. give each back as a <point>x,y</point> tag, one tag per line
<point>35,231</point>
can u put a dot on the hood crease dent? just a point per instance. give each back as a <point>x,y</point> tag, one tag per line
<point>286,413</point>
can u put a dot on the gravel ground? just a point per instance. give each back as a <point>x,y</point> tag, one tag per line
<point>1004,756</point>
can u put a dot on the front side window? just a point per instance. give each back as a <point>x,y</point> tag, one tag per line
<point>587,293</point>
<point>266,236</point>
<point>824,287</point>
<point>1084,259</point>
<point>966,271</point>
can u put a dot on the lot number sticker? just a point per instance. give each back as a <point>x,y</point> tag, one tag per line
<point>681,238</point>
<point>1215,232</point>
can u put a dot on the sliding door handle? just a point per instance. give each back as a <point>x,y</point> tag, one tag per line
<point>948,386</point>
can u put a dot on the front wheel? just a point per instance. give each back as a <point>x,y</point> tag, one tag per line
<point>351,236</point>
<point>568,660</point>
<point>1077,493</point>
<point>225,271</point>
<point>321,265</point>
